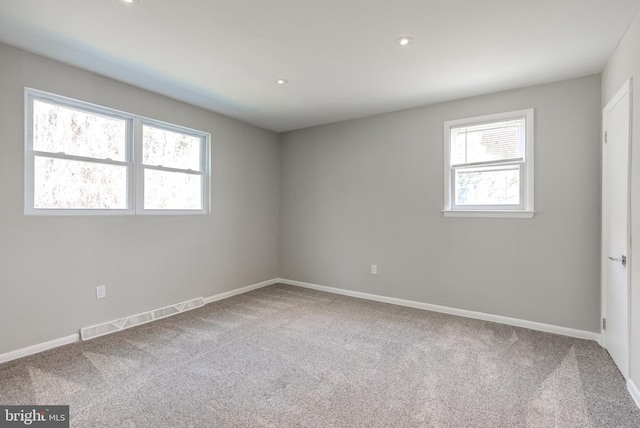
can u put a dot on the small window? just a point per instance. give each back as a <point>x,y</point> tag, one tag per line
<point>86,159</point>
<point>489,166</point>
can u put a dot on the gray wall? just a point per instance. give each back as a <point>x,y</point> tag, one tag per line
<point>370,191</point>
<point>625,64</point>
<point>335,198</point>
<point>50,266</point>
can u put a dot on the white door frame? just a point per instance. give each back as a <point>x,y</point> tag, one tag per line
<point>627,87</point>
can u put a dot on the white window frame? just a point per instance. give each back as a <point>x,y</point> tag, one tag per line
<point>141,167</point>
<point>133,159</point>
<point>526,207</point>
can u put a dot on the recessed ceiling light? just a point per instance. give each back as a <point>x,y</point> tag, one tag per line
<point>130,1</point>
<point>281,81</point>
<point>404,41</point>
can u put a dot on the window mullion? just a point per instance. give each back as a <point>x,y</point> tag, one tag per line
<point>139,171</point>
<point>523,192</point>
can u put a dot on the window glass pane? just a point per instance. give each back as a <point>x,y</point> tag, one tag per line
<point>164,190</point>
<point>170,149</point>
<point>61,183</point>
<point>488,187</point>
<point>58,129</point>
<point>488,142</point>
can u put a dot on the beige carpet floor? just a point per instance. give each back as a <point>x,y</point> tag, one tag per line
<point>283,356</point>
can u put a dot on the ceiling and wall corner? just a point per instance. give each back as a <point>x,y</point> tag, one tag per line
<point>340,58</point>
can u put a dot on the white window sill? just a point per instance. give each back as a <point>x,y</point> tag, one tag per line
<point>489,214</point>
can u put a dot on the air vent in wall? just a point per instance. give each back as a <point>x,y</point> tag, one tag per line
<point>133,320</point>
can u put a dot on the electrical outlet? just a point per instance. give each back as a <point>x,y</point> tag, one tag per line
<point>374,269</point>
<point>101,291</point>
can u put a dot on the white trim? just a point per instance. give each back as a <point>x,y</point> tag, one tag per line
<point>527,181</point>
<point>626,88</point>
<point>601,341</point>
<point>634,391</point>
<point>12,355</point>
<point>242,290</point>
<point>32,95</point>
<point>133,159</point>
<point>489,214</point>
<point>203,171</point>
<point>40,347</point>
<point>532,325</point>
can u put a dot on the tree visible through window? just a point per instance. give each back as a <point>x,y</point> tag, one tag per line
<point>82,158</point>
<point>489,163</point>
<point>173,183</point>
<point>69,172</point>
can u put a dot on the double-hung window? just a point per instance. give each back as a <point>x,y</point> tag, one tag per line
<point>489,166</point>
<point>85,159</point>
<point>173,171</point>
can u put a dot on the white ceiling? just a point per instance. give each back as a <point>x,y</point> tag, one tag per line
<point>339,56</point>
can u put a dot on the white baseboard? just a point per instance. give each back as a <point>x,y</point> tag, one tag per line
<point>580,334</point>
<point>634,391</point>
<point>237,291</point>
<point>12,355</point>
<point>34,349</point>
<point>40,347</point>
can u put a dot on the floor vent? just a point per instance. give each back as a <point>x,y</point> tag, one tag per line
<point>133,320</point>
